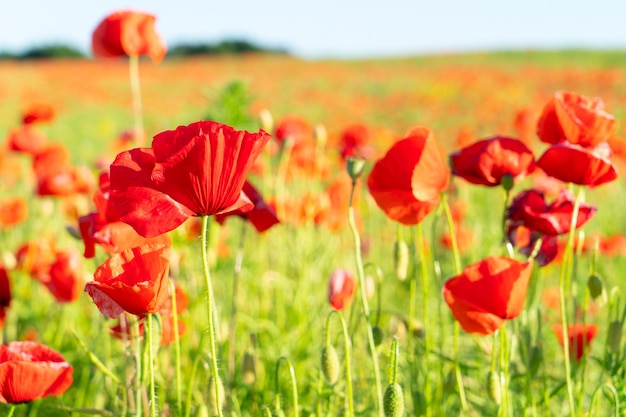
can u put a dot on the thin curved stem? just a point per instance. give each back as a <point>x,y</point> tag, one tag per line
<point>149,336</point>
<point>135,87</point>
<point>347,346</point>
<point>209,304</point>
<point>177,354</point>
<point>294,383</point>
<point>364,303</point>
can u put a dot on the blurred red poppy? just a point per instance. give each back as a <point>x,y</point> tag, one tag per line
<point>341,289</point>
<point>13,210</point>
<point>406,183</point>
<point>262,216</point>
<point>487,161</point>
<point>134,281</point>
<point>103,227</point>
<point>38,113</point>
<point>487,293</point>
<point>294,128</point>
<point>613,245</point>
<point>525,239</point>
<point>195,170</point>
<point>356,140</point>
<point>576,119</point>
<point>35,257</point>
<point>26,139</point>
<point>30,371</point>
<point>127,33</point>
<point>67,181</point>
<point>579,165</point>
<point>5,293</point>
<point>579,337</point>
<point>64,279</point>
<point>530,209</point>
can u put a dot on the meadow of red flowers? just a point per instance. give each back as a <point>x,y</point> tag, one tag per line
<point>458,217</point>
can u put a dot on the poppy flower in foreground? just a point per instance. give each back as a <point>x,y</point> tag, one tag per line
<point>579,165</point>
<point>576,119</point>
<point>127,33</point>
<point>487,293</point>
<point>341,289</point>
<point>579,337</point>
<point>407,181</point>
<point>135,281</point>
<point>262,216</point>
<point>487,161</point>
<point>30,371</point>
<point>529,209</point>
<point>195,170</point>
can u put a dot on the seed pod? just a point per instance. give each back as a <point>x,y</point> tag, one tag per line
<point>330,364</point>
<point>494,388</point>
<point>534,359</point>
<point>216,402</point>
<point>354,166</point>
<point>393,402</point>
<point>401,259</point>
<point>615,336</point>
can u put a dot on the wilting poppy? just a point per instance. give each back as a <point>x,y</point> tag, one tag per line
<point>13,210</point>
<point>30,371</point>
<point>487,161</point>
<point>195,170</point>
<point>38,113</point>
<point>127,33</point>
<point>103,227</point>
<point>576,119</point>
<point>64,279</point>
<point>341,289</point>
<point>579,165</point>
<point>487,293</point>
<point>579,337</point>
<point>529,208</point>
<point>262,216</point>
<point>134,281</point>
<point>26,139</point>
<point>407,181</point>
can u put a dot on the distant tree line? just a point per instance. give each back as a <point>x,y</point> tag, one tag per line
<point>56,51</point>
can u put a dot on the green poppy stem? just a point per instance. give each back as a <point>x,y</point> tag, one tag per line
<point>11,410</point>
<point>348,356</point>
<point>364,303</point>
<point>421,243</point>
<point>209,304</point>
<point>564,284</point>
<point>135,87</point>
<point>149,336</point>
<point>232,325</point>
<point>457,330</point>
<point>294,384</point>
<point>177,354</point>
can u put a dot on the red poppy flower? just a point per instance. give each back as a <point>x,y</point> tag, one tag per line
<point>530,209</point>
<point>407,181</point>
<point>525,239</point>
<point>30,371</point>
<point>26,139</point>
<point>576,119</point>
<point>341,289</point>
<point>356,140</point>
<point>67,181</point>
<point>127,33</point>
<point>487,161</point>
<point>38,113</point>
<point>104,228</point>
<point>13,210</point>
<point>579,165</point>
<point>35,257</point>
<point>487,293</point>
<point>195,170</point>
<point>134,281</point>
<point>613,245</point>
<point>5,293</point>
<point>64,279</point>
<point>262,216</point>
<point>293,128</point>
<point>579,337</point>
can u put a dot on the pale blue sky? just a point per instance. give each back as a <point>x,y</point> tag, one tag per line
<point>335,28</point>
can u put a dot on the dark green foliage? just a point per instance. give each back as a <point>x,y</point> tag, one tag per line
<point>224,47</point>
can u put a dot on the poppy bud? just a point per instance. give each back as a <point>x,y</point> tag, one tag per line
<point>354,166</point>
<point>534,359</point>
<point>330,364</point>
<point>393,401</point>
<point>493,387</point>
<point>216,402</point>
<point>596,289</point>
<point>378,335</point>
<point>507,181</point>
<point>615,336</point>
<point>401,259</point>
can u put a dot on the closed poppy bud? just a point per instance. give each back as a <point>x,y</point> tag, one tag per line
<point>127,33</point>
<point>355,166</point>
<point>377,334</point>
<point>494,387</point>
<point>393,401</point>
<point>341,289</point>
<point>330,364</point>
<point>596,289</point>
<point>616,329</point>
